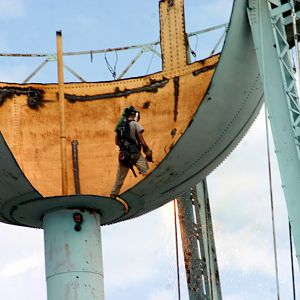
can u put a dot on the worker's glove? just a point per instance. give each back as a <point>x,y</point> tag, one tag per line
<point>148,153</point>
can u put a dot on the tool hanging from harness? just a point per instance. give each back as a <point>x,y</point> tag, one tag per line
<point>129,147</point>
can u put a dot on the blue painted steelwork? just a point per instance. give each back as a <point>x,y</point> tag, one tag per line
<point>74,268</point>
<point>203,218</point>
<point>272,48</point>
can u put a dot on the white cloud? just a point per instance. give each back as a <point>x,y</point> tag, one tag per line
<point>162,295</point>
<point>12,9</point>
<point>241,296</point>
<point>245,250</point>
<point>19,267</point>
<point>138,251</point>
<point>240,205</point>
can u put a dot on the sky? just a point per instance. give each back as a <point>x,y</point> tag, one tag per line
<point>238,188</point>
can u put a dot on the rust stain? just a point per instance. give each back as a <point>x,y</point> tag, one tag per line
<point>173,132</point>
<point>67,249</point>
<point>146,105</point>
<point>67,293</point>
<point>92,124</point>
<point>150,88</point>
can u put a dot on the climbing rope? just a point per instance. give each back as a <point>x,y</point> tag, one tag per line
<point>207,212</point>
<point>296,68</point>
<point>272,205</point>
<point>292,261</point>
<point>177,251</point>
<point>112,69</point>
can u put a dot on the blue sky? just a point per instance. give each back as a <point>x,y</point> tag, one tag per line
<point>139,255</point>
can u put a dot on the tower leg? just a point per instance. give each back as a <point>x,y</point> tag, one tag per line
<point>73,255</point>
<point>198,244</point>
<point>271,45</point>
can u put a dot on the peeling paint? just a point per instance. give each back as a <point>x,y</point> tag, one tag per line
<point>173,132</point>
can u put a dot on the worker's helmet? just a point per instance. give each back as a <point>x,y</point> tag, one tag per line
<point>130,111</point>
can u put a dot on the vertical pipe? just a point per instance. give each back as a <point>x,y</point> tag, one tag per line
<point>75,166</point>
<point>62,113</point>
<point>73,255</point>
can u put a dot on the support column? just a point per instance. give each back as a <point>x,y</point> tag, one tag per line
<point>203,217</point>
<point>198,244</point>
<point>73,255</point>
<point>281,97</point>
<point>196,275</point>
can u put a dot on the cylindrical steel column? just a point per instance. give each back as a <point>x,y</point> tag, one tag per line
<point>73,255</point>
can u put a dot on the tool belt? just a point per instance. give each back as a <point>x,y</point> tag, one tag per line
<point>128,160</point>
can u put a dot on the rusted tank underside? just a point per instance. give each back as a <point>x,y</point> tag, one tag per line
<point>92,111</point>
<point>193,115</point>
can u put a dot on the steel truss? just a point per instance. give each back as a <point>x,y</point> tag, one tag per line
<point>198,244</point>
<point>268,21</point>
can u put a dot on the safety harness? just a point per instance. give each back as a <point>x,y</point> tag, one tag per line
<point>129,148</point>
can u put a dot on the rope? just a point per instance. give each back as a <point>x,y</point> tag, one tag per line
<point>292,262</point>
<point>272,205</point>
<point>177,252</point>
<point>111,69</point>
<point>193,52</point>
<point>206,204</point>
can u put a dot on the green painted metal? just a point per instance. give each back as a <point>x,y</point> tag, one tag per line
<point>281,99</point>
<point>203,217</point>
<point>73,255</point>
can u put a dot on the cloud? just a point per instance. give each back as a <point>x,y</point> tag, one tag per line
<point>162,295</point>
<point>19,267</point>
<point>247,250</point>
<point>241,211</point>
<point>136,251</point>
<point>11,10</point>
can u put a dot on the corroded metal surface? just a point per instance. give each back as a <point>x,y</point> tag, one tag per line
<point>191,121</point>
<point>33,134</point>
<point>229,107</point>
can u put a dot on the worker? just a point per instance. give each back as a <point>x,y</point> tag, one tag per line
<point>129,138</point>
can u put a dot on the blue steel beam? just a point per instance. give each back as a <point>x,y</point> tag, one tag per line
<point>281,99</point>
<point>203,217</point>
